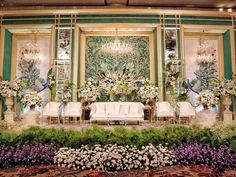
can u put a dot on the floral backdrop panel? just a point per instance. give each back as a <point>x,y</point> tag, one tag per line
<point>38,76</point>
<point>198,69</point>
<point>98,62</point>
<point>191,47</point>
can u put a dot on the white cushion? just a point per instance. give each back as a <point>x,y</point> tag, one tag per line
<point>100,108</point>
<point>124,109</point>
<point>134,108</point>
<point>164,109</point>
<point>186,109</point>
<point>52,109</point>
<point>110,108</point>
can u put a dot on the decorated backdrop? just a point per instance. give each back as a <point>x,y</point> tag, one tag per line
<point>98,62</point>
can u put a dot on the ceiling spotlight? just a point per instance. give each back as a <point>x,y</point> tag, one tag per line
<point>221,9</point>
<point>229,10</point>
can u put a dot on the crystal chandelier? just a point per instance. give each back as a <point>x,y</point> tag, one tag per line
<point>117,47</point>
<point>205,53</point>
<point>31,50</point>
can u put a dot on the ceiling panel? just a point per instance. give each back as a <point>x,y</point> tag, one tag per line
<point>184,3</point>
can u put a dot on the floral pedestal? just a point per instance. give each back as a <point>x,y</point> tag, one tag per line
<point>9,114</point>
<point>31,118</point>
<point>206,118</point>
<point>227,114</point>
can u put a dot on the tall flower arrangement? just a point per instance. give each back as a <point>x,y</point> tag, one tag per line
<point>89,91</point>
<point>67,93</point>
<point>148,92</point>
<point>172,73</point>
<point>51,80</point>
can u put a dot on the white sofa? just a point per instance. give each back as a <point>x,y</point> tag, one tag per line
<point>117,111</point>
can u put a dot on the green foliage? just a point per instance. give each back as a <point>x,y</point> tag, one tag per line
<point>174,135</point>
<point>206,74</point>
<point>3,125</point>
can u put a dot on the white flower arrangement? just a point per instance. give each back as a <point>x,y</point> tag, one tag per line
<point>89,91</point>
<point>9,88</point>
<point>118,83</point>
<point>114,157</point>
<point>51,78</point>
<point>66,96</point>
<point>207,99</point>
<point>205,54</point>
<point>225,88</point>
<point>148,92</point>
<point>31,99</point>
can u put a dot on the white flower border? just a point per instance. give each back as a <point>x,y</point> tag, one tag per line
<point>114,157</point>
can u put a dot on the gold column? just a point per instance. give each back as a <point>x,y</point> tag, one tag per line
<point>76,61</point>
<point>2,32</point>
<point>160,72</point>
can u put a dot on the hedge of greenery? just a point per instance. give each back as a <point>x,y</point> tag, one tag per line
<point>172,135</point>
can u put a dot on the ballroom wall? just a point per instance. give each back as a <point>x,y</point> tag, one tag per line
<point>223,25</point>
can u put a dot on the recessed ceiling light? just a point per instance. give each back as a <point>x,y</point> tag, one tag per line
<point>229,10</point>
<point>221,9</point>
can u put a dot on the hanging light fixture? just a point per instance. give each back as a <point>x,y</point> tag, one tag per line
<point>117,47</point>
<point>205,52</point>
<point>31,50</point>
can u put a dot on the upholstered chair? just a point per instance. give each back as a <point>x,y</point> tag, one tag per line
<point>164,110</point>
<point>52,111</point>
<point>185,110</point>
<point>72,110</point>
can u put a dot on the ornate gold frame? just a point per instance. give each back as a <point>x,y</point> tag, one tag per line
<point>14,49</point>
<point>83,36</point>
<point>219,39</point>
<point>220,42</point>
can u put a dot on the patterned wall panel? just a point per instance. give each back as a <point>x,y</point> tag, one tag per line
<point>98,61</point>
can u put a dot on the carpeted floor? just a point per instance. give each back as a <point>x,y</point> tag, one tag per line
<point>54,171</point>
